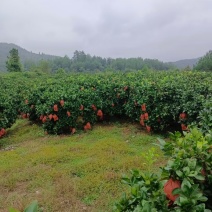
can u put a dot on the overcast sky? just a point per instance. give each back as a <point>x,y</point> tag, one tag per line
<point>168,30</point>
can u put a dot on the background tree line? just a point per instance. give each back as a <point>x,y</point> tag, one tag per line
<point>81,62</point>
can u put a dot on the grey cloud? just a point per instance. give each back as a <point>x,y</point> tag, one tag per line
<point>167,30</point>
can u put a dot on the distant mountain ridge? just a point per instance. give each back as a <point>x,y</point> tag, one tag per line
<point>26,56</point>
<point>23,54</point>
<point>185,63</point>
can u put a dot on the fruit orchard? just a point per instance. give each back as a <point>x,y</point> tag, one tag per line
<point>158,101</point>
<point>67,103</point>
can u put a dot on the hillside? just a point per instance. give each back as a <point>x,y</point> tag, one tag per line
<point>25,55</point>
<point>81,62</point>
<point>84,62</point>
<point>184,63</point>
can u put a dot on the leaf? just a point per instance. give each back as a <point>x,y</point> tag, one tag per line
<point>185,183</point>
<point>174,136</point>
<point>183,200</point>
<point>199,144</point>
<point>13,210</point>
<point>199,177</point>
<point>146,207</point>
<point>200,207</point>
<point>33,207</point>
<point>125,180</point>
<point>176,191</point>
<point>179,173</point>
<point>192,163</point>
<point>134,191</point>
<point>186,170</point>
<point>203,199</point>
<point>161,141</point>
<point>192,174</point>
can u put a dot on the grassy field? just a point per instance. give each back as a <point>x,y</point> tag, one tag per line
<point>80,172</point>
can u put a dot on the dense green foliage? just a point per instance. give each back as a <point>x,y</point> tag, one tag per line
<point>13,63</point>
<point>8,113</point>
<point>185,183</point>
<point>160,101</point>
<point>14,87</point>
<point>205,63</point>
<point>205,117</point>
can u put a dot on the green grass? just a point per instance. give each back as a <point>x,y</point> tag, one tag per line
<point>81,172</point>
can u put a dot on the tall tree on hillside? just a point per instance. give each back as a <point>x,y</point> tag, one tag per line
<point>205,63</point>
<point>13,63</point>
<point>44,66</point>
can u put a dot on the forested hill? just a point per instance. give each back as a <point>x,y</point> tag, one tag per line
<point>25,55</point>
<point>81,62</point>
<point>185,63</point>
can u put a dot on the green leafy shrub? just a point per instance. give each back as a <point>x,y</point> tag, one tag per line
<point>205,117</point>
<point>158,100</point>
<point>15,88</point>
<point>146,194</point>
<point>185,183</point>
<point>8,113</point>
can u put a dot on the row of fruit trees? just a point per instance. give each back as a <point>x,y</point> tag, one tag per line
<point>158,100</point>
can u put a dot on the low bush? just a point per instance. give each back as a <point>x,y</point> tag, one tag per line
<point>159,101</point>
<point>185,183</point>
